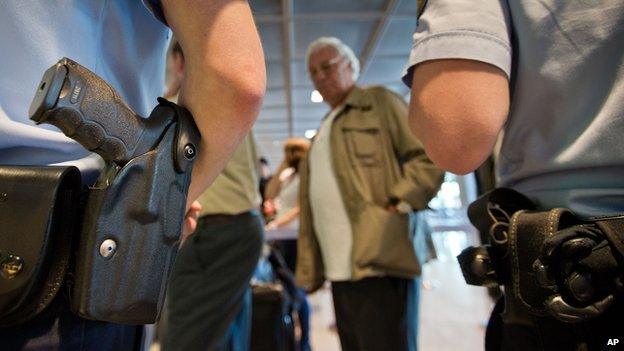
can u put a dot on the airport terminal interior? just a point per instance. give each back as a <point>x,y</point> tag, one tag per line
<point>453,315</point>
<point>415,175</point>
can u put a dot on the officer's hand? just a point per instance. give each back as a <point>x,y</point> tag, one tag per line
<point>190,221</point>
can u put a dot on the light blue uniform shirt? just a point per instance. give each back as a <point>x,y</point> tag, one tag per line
<point>120,40</point>
<point>563,142</point>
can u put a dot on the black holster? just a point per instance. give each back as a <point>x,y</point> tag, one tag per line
<point>123,239</point>
<point>516,232</point>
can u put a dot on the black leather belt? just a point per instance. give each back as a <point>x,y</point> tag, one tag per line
<point>225,218</point>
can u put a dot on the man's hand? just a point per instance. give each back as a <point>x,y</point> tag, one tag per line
<point>190,221</point>
<point>392,208</point>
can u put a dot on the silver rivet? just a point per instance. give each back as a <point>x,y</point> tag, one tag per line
<point>108,248</point>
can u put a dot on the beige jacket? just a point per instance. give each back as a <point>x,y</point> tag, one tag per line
<point>375,158</point>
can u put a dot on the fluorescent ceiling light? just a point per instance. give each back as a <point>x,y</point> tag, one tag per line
<point>316,97</point>
<point>310,133</point>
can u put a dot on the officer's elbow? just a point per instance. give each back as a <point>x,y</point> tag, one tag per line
<point>456,161</point>
<point>248,92</point>
<point>459,149</point>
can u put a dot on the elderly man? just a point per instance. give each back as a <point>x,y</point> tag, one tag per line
<point>364,174</point>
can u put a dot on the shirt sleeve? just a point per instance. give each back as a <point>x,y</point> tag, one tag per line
<point>462,29</point>
<point>155,7</point>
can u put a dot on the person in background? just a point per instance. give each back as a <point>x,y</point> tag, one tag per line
<point>124,43</point>
<point>209,300</point>
<point>364,174</point>
<point>549,75</point>
<point>283,191</point>
<point>265,175</point>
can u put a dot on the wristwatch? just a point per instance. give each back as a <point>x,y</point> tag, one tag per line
<point>401,206</point>
<point>404,207</point>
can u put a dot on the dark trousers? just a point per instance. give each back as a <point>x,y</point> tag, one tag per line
<point>57,328</point>
<point>550,334</point>
<point>288,249</point>
<point>372,313</point>
<point>209,281</point>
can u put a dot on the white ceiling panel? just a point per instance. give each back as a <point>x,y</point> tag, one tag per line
<point>311,111</point>
<point>274,97</point>
<point>275,75</point>
<point>354,33</point>
<point>384,70</point>
<point>407,7</point>
<point>338,6</point>
<point>266,7</point>
<point>301,96</point>
<point>397,40</point>
<point>273,128</point>
<point>300,76</point>
<point>271,114</point>
<point>399,88</point>
<point>272,41</point>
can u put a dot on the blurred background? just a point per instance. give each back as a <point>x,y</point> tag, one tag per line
<point>378,31</point>
<point>453,315</point>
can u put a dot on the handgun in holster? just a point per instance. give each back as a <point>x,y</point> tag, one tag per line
<point>133,215</point>
<point>550,262</point>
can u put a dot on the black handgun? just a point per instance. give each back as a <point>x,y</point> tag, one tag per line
<point>134,212</point>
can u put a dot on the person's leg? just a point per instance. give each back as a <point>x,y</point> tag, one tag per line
<point>345,318</point>
<point>304,321</point>
<point>57,328</point>
<point>413,307</point>
<point>371,314</point>
<point>209,281</point>
<point>239,333</point>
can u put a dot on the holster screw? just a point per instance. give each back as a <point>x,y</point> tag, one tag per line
<point>189,151</point>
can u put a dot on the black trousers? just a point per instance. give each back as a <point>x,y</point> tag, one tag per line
<point>550,334</point>
<point>57,328</point>
<point>372,313</point>
<point>209,280</point>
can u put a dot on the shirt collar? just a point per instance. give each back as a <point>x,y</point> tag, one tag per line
<point>358,98</point>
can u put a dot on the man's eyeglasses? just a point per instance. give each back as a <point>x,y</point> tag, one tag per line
<point>325,67</point>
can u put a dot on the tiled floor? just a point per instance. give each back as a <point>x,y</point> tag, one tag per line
<point>452,315</point>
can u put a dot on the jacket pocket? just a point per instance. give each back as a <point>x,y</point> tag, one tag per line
<point>364,144</point>
<point>383,242</point>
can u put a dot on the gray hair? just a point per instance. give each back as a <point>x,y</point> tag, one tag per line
<point>342,48</point>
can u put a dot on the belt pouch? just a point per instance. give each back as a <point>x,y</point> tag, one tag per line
<point>38,210</point>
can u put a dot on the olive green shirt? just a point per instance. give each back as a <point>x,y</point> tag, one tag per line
<point>235,190</point>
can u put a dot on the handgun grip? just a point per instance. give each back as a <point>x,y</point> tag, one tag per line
<point>85,108</point>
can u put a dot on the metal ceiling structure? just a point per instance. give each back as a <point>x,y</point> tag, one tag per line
<point>378,31</point>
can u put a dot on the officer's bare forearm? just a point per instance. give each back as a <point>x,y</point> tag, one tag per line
<point>225,77</point>
<point>457,109</point>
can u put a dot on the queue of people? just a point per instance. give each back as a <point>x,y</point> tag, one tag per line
<point>542,79</point>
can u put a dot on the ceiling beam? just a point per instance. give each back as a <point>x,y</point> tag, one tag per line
<point>386,56</point>
<point>313,17</point>
<point>375,38</point>
<point>288,39</point>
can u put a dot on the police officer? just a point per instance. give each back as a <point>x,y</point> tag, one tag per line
<point>549,73</point>
<point>123,43</point>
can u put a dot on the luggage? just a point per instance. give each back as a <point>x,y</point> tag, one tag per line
<point>272,326</point>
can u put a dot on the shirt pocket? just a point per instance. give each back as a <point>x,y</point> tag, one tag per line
<point>364,144</point>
